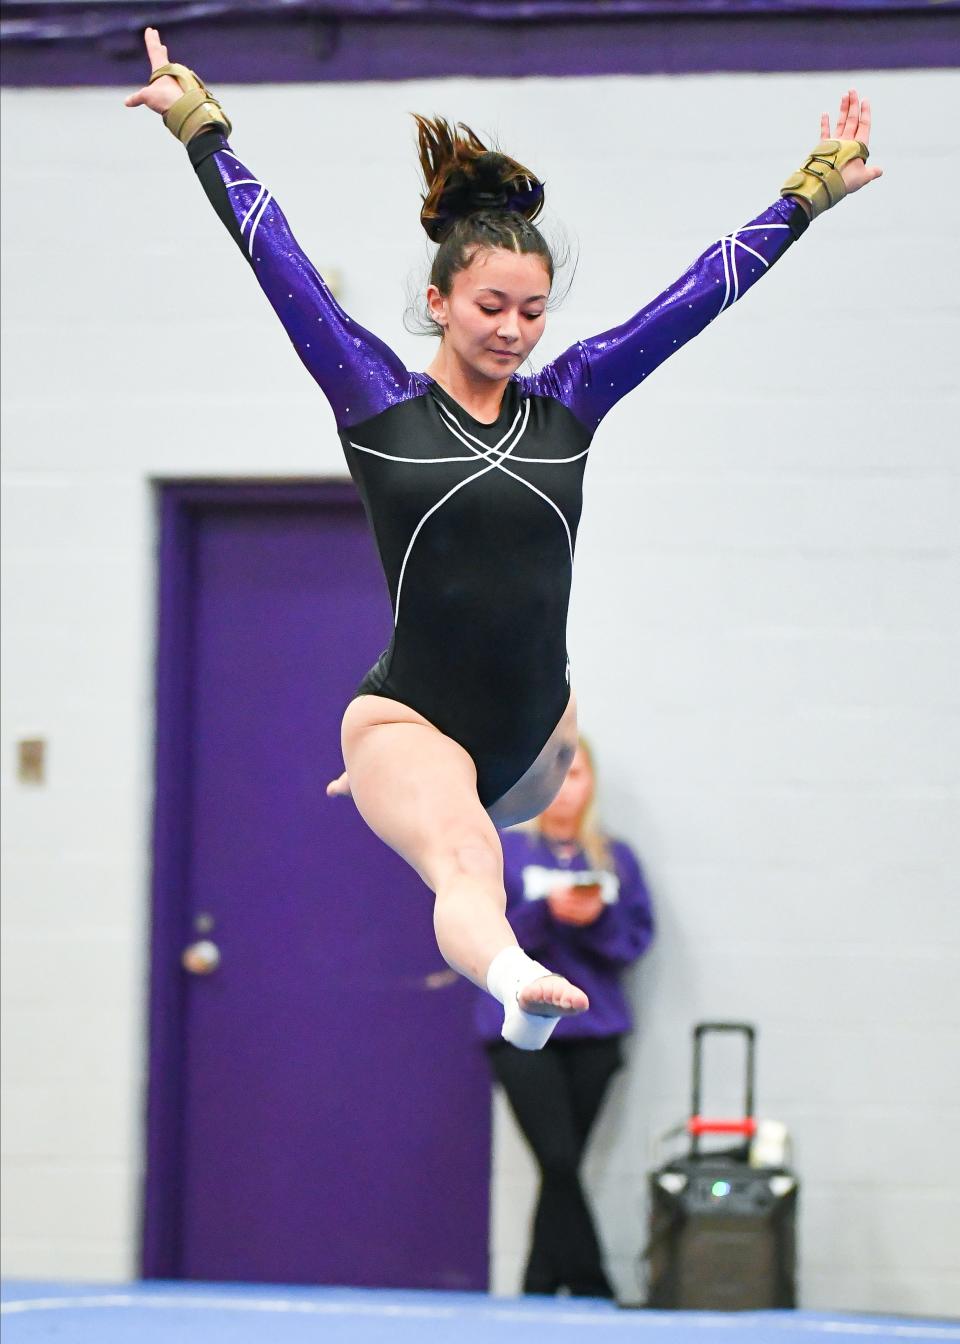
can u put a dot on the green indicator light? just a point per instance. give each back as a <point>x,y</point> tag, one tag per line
<point>719,1189</point>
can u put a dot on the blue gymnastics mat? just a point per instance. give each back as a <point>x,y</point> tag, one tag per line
<point>191,1313</point>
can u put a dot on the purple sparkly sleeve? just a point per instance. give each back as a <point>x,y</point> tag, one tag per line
<point>593,375</point>
<point>359,375</point>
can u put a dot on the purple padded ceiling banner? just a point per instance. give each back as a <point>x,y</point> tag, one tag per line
<point>70,42</point>
<point>77,18</point>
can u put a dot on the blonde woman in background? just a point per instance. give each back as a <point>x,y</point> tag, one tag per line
<point>577,899</point>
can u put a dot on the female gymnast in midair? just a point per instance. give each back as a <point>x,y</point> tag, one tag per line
<point>471,477</point>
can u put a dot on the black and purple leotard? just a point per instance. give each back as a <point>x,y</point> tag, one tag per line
<point>475,523</point>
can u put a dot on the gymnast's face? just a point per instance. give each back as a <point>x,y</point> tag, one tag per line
<point>496,310</point>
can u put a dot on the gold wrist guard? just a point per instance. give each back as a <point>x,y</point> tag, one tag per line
<point>819,182</point>
<point>195,110</point>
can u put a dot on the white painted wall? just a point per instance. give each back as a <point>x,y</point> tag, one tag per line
<point>763,630</point>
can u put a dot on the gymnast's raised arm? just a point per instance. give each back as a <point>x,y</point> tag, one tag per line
<point>594,374</point>
<point>359,375</point>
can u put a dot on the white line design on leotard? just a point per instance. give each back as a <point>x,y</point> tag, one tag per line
<point>493,455</point>
<point>416,461</point>
<point>733,266</point>
<point>253,227</point>
<point>459,486</point>
<point>551,461</point>
<point>753,252</point>
<point>726,274</point>
<point>246,218</point>
<point>730,263</point>
<point>263,199</point>
<point>252,182</point>
<point>413,461</point>
<point>540,461</point>
<point>464,436</point>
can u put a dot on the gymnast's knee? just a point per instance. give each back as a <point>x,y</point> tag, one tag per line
<point>466,853</point>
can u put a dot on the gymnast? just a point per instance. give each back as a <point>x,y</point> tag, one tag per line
<point>471,476</point>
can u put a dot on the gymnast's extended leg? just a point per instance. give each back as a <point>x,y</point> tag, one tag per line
<point>416,789</point>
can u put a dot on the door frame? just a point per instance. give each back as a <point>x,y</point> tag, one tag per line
<point>180,503</point>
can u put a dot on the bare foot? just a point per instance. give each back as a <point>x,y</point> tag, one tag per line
<point>339,788</point>
<point>552,996</point>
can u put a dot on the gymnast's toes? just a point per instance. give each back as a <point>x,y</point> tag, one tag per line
<point>339,788</point>
<point>552,996</point>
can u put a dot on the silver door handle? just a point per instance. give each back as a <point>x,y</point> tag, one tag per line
<point>201,958</point>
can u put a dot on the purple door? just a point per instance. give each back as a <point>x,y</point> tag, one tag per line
<point>319,1108</point>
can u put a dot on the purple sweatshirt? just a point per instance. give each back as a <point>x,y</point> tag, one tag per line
<point>592,956</point>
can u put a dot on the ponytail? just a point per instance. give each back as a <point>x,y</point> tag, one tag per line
<point>475,198</point>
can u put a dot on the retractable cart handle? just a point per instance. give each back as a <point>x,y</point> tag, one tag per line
<point>698,1124</point>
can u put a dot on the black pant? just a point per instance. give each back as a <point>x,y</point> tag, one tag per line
<point>556,1095</point>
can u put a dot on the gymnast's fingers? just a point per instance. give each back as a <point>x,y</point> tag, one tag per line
<point>866,117</point>
<point>849,131</point>
<point>156,51</point>
<point>841,116</point>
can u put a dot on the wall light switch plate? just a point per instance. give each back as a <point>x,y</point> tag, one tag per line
<point>32,760</point>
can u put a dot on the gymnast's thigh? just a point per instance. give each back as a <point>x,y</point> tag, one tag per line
<point>415,787</point>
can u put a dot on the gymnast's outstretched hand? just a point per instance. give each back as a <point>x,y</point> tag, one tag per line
<point>162,95</point>
<point>853,123</point>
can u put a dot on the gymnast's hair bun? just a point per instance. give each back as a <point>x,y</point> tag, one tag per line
<point>464,177</point>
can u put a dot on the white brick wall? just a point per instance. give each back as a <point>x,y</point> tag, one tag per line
<point>763,630</point>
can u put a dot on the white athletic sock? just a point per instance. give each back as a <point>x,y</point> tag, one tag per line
<point>510,971</point>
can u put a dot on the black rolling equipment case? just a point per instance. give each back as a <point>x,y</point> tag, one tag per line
<point>722,1232</point>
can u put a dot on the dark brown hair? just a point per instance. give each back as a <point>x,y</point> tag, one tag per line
<point>475,198</point>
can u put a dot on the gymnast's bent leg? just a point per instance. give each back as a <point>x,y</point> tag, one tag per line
<point>417,790</point>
